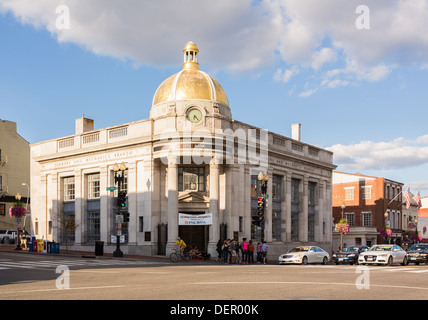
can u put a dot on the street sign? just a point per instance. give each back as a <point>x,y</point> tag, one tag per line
<point>111,188</point>
<point>266,196</point>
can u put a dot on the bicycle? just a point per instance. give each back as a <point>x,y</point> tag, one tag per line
<point>176,256</point>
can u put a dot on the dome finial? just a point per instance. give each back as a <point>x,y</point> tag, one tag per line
<point>191,56</point>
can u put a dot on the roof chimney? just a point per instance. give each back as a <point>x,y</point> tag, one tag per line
<point>84,125</point>
<point>295,131</point>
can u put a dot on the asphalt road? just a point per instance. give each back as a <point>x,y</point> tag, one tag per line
<point>35,276</point>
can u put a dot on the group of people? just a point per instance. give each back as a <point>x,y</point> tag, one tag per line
<point>233,251</point>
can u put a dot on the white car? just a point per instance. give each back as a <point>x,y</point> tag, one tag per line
<point>386,254</point>
<point>304,255</point>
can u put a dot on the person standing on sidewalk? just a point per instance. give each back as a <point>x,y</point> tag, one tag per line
<point>250,252</point>
<point>244,246</point>
<point>264,250</point>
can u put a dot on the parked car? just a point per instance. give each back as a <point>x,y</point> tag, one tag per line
<point>418,253</point>
<point>7,236</point>
<point>348,255</point>
<point>386,254</point>
<point>304,255</point>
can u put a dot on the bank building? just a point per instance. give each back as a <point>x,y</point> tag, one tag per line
<point>190,170</point>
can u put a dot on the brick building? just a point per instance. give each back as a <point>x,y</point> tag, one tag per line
<point>370,203</point>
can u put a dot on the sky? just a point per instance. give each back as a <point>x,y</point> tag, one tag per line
<point>353,73</point>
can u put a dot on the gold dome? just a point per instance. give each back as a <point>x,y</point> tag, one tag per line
<point>190,83</point>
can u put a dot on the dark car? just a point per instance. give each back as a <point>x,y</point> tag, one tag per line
<point>418,253</point>
<point>348,255</point>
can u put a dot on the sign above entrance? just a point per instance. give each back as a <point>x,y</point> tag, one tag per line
<point>186,219</point>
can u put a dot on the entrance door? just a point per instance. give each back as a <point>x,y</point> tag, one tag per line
<point>194,236</point>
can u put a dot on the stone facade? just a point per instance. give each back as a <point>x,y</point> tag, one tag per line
<point>189,157</point>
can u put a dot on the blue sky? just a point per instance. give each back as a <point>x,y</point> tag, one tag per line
<point>360,93</point>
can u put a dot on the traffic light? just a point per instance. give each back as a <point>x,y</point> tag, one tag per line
<point>121,199</point>
<point>260,207</point>
<point>126,217</point>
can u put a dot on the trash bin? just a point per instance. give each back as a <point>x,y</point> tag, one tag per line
<point>99,248</point>
<point>30,246</point>
<point>55,247</point>
<point>49,247</point>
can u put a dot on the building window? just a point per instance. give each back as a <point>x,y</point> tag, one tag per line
<point>94,186</point>
<point>2,209</point>
<point>349,193</point>
<point>93,226</point>
<point>69,189</point>
<point>350,218</point>
<point>294,226</point>
<point>276,188</point>
<point>366,192</point>
<point>312,193</point>
<point>276,225</point>
<point>295,190</point>
<point>254,186</point>
<point>367,218</point>
<point>191,179</point>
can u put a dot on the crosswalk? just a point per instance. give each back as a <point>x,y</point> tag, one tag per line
<point>70,263</point>
<point>388,269</point>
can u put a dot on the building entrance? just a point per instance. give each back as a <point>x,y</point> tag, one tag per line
<point>194,236</point>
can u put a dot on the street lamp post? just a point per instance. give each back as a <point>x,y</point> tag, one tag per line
<point>119,175</point>
<point>263,180</point>
<point>26,205</point>
<point>343,206</point>
<point>18,221</point>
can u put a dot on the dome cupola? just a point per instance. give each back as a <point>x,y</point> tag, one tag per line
<point>190,83</point>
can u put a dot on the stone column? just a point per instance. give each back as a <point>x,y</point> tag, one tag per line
<point>303,223</point>
<point>287,212</point>
<point>78,206</point>
<point>214,230</point>
<point>172,202</point>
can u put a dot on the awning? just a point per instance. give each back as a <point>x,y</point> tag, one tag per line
<point>423,212</point>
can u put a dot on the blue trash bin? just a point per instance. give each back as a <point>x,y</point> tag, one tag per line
<point>55,247</point>
<point>30,246</point>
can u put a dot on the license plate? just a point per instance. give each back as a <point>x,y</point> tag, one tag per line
<point>371,259</point>
<point>340,259</point>
<point>412,258</point>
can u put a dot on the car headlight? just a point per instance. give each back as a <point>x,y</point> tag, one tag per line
<point>334,255</point>
<point>351,255</point>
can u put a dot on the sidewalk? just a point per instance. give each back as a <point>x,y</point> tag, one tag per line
<point>79,254</point>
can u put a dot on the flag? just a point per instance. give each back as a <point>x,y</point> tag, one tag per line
<point>417,198</point>
<point>407,195</point>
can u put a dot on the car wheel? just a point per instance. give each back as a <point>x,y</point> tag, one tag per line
<point>325,261</point>
<point>6,240</point>
<point>305,261</point>
<point>390,261</point>
<point>405,263</point>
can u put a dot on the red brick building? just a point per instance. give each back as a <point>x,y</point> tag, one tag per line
<point>370,203</point>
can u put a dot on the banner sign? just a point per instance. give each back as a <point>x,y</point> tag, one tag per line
<point>185,219</point>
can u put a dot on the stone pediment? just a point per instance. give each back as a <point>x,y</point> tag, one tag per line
<point>189,197</point>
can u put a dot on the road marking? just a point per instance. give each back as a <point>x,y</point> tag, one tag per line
<point>307,283</point>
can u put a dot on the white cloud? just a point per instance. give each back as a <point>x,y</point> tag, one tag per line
<point>242,35</point>
<point>325,55</point>
<point>285,75</point>
<point>396,154</point>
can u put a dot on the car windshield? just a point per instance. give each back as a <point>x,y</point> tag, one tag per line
<point>380,248</point>
<point>300,249</point>
<point>350,249</point>
<point>419,247</point>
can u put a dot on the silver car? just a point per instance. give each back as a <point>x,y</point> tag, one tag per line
<point>386,254</point>
<point>304,255</point>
